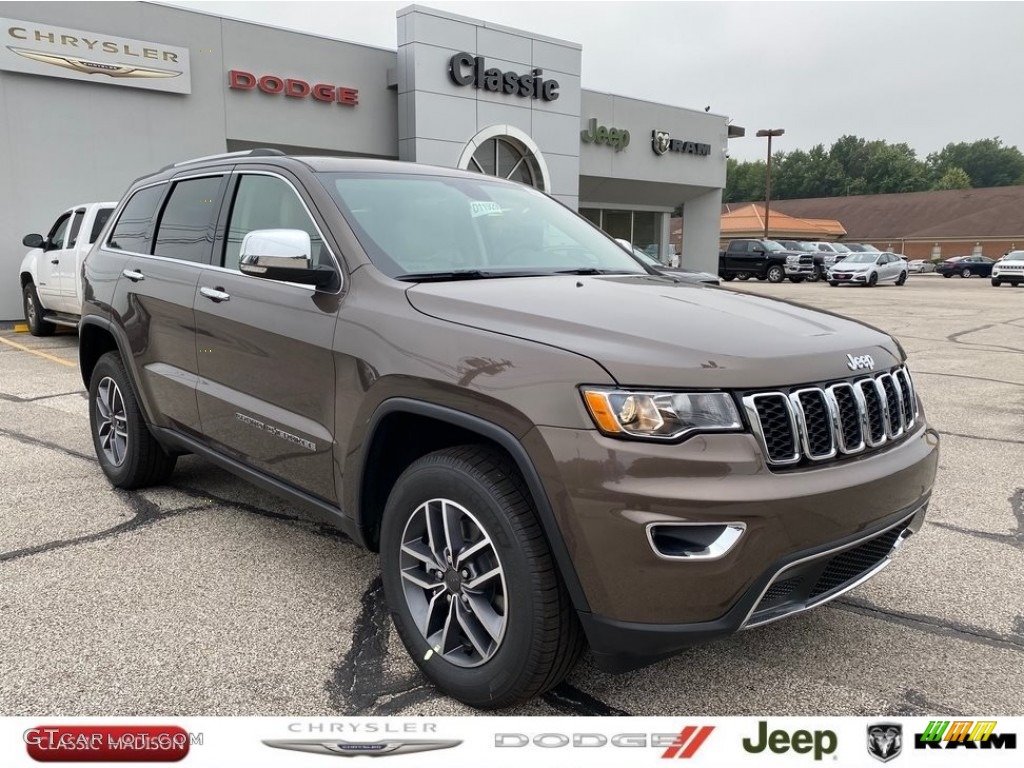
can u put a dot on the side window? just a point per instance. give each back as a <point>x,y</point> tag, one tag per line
<point>76,224</point>
<point>267,202</point>
<point>55,239</point>
<point>185,230</point>
<point>131,232</point>
<point>102,217</point>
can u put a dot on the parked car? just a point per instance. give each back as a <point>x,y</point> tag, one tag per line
<point>801,246</point>
<point>548,444</point>
<point>50,273</point>
<point>765,260</point>
<point>920,265</point>
<point>861,247</point>
<point>966,266</point>
<point>1009,269</point>
<point>869,269</point>
<point>829,254</point>
<point>687,275</point>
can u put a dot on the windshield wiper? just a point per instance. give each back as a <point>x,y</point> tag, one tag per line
<point>463,274</point>
<point>595,271</point>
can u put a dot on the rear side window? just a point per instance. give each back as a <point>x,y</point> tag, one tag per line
<point>102,217</point>
<point>185,229</point>
<point>132,230</point>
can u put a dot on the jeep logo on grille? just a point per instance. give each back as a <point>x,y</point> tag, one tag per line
<point>860,362</point>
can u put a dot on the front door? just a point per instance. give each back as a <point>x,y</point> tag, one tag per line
<point>68,262</point>
<point>266,389</point>
<point>48,270</point>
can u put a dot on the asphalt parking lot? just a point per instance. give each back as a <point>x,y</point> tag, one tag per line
<point>209,597</point>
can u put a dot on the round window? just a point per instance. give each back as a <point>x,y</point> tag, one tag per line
<point>508,159</point>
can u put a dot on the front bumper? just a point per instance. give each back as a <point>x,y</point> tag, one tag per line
<point>860,278</point>
<point>641,606</point>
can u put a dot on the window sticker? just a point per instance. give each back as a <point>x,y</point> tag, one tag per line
<point>484,208</point>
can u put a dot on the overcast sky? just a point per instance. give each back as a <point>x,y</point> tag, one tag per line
<point>924,73</point>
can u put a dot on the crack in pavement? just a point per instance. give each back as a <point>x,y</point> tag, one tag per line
<point>916,704</point>
<point>918,372</point>
<point>146,513</point>
<point>359,685</point>
<point>1007,440</point>
<point>21,437</point>
<point>946,628</point>
<point>955,338</point>
<point>19,399</point>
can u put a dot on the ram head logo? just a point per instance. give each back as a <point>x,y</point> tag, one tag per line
<point>885,741</point>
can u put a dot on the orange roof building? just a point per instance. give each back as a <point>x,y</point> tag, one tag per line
<point>748,221</point>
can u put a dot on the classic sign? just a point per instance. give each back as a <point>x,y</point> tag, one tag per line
<point>74,54</point>
<point>466,69</point>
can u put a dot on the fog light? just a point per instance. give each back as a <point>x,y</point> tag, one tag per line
<point>693,541</point>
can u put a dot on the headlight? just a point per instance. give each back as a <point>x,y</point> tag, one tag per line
<point>661,415</point>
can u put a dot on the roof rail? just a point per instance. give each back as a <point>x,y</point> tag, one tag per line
<point>258,152</point>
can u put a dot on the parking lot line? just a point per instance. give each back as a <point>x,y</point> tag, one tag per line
<point>37,353</point>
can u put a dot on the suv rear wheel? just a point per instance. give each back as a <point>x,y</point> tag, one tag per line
<point>34,312</point>
<point>470,581</point>
<point>128,454</point>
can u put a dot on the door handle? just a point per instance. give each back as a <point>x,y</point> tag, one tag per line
<point>55,261</point>
<point>132,275</point>
<point>214,294</point>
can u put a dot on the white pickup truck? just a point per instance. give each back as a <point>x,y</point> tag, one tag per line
<point>51,273</point>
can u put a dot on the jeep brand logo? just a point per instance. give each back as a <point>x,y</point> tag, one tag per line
<point>860,362</point>
<point>818,743</point>
<point>662,142</point>
<point>299,89</point>
<point>599,134</point>
<point>466,69</point>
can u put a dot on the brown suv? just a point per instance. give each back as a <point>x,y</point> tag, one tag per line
<point>549,445</point>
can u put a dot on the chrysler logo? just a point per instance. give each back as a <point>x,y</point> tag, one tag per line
<point>88,67</point>
<point>860,362</point>
<point>340,748</point>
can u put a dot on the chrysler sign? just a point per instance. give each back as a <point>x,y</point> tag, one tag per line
<point>95,57</point>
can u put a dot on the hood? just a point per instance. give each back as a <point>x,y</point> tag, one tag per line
<point>844,266</point>
<point>653,332</point>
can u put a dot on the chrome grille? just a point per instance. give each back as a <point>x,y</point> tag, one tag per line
<point>815,424</point>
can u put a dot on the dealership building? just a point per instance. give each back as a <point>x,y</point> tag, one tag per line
<point>97,94</point>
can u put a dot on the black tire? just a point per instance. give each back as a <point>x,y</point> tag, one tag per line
<point>833,283</point>
<point>815,276</point>
<point>34,312</point>
<point>996,282</point>
<point>965,272</point>
<point>542,639</point>
<point>872,280</point>
<point>901,279</point>
<point>947,274</point>
<point>728,278</point>
<point>775,273</point>
<point>143,462</point>
<point>796,279</point>
<point>742,275</point>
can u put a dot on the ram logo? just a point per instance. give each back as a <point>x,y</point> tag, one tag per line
<point>860,362</point>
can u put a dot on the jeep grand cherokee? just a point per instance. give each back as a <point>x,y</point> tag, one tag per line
<point>549,445</point>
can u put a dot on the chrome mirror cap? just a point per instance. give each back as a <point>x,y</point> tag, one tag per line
<point>277,249</point>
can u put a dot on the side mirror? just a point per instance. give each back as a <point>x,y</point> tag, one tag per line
<point>282,254</point>
<point>33,241</point>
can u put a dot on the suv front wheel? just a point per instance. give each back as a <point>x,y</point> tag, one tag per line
<point>472,587</point>
<point>127,452</point>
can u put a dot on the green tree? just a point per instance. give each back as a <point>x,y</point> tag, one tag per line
<point>744,181</point>
<point>987,162</point>
<point>894,168</point>
<point>953,178</point>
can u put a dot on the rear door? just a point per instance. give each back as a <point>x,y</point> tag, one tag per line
<point>266,388</point>
<point>169,232</point>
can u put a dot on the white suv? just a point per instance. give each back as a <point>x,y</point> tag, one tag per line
<point>1009,269</point>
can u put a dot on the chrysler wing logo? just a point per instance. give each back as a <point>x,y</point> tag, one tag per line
<point>89,67</point>
<point>860,362</point>
<point>885,741</point>
<point>355,749</point>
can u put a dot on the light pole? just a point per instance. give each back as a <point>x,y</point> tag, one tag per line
<point>768,173</point>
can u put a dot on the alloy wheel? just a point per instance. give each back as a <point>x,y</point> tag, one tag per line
<point>30,310</point>
<point>111,422</point>
<point>454,583</point>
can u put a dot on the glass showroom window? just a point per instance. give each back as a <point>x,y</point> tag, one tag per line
<point>506,158</point>
<point>641,228</point>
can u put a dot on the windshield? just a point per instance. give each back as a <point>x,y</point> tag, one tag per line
<point>860,258</point>
<point>840,248</point>
<point>772,247</point>
<point>1014,256</point>
<point>869,248</point>
<point>441,227</point>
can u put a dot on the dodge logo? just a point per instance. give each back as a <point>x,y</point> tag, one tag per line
<point>860,362</point>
